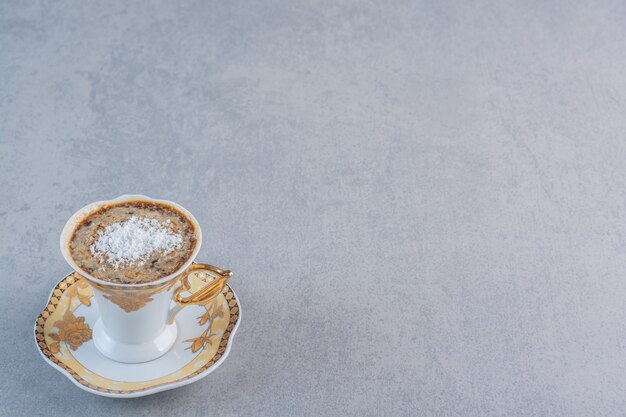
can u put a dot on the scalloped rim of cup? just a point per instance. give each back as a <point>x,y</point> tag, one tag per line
<point>80,215</point>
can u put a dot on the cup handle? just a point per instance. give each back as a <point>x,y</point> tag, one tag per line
<point>202,296</point>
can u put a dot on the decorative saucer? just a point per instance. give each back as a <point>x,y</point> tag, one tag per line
<point>63,333</point>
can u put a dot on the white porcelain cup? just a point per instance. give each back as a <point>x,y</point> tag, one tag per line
<point>136,321</point>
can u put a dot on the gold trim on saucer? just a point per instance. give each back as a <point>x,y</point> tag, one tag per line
<point>57,323</point>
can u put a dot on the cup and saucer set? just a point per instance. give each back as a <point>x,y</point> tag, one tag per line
<point>129,340</point>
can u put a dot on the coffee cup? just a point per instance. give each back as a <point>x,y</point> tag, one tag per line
<point>137,320</point>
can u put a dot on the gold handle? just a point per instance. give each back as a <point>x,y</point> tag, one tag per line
<point>208,292</point>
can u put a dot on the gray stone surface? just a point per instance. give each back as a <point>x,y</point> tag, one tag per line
<point>424,202</point>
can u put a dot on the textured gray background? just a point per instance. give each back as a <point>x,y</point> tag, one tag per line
<point>424,203</point>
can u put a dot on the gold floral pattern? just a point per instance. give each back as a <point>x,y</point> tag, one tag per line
<point>129,299</point>
<point>200,342</point>
<point>213,311</point>
<point>72,330</point>
<point>73,291</point>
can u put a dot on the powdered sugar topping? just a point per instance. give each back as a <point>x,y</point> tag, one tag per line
<point>133,241</point>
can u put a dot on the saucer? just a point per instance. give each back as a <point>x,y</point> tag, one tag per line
<point>63,333</point>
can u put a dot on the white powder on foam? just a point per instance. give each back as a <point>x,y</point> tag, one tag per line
<point>134,240</point>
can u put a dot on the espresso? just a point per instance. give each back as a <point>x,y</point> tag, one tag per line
<point>133,242</point>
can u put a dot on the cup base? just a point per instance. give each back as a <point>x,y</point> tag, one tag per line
<point>135,352</point>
